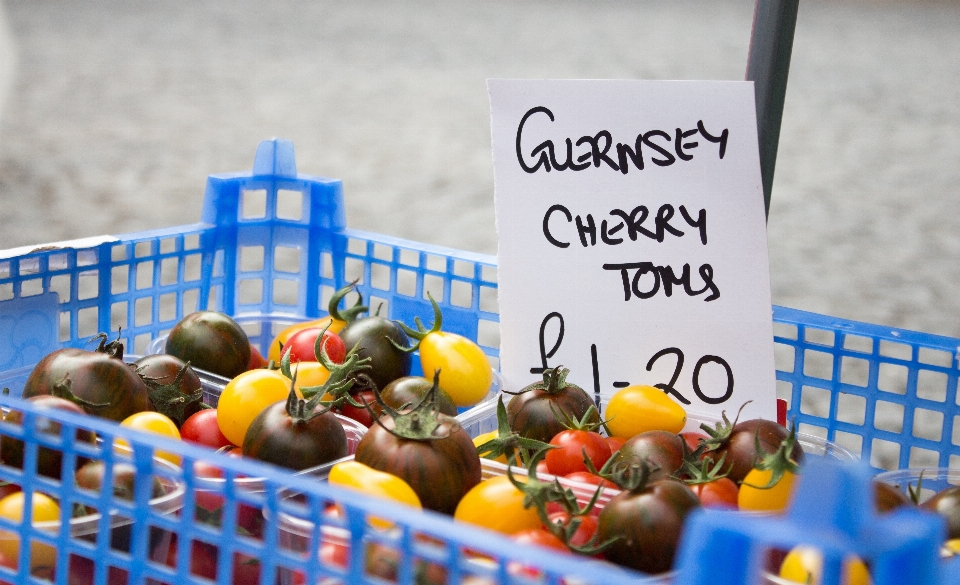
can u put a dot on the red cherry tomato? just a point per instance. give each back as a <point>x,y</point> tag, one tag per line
<point>361,415</point>
<point>589,478</point>
<point>719,493</point>
<point>302,345</point>
<point>572,447</point>
<point>539,537</point>
<point>202,428</point>
<point>693,438</point>
<point>615,443</point>
<point>586,527</point>
<point>257,360</point>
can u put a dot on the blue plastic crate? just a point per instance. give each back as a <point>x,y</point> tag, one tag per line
<point>274,243</point>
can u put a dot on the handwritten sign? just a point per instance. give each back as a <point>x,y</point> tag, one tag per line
<point>632,239</point>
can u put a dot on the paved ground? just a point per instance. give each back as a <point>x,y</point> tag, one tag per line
<point>119,110</point>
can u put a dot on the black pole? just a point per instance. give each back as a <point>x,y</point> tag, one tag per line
<point>768,64</point>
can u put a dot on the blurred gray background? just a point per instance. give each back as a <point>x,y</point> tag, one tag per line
<point>112,114</point>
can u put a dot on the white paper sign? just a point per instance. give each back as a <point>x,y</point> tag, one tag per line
<point>632,238</point>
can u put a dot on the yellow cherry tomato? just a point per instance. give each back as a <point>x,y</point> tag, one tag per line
<point>373,482</point>
<point>465,371</point>
<point>273,353</point>
<point>497,504</point>
<point>155,423</point>
<point>309,374</point>
<point>44,509</point>
<point>951,548</point>
<point>245,397</point>
<point>804,564</point>
<point>773,499</point>
<point>637,409</point>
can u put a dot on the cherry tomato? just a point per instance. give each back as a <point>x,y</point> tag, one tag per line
<point>497,504</point>
<point>590,478</point>
<point>586,527</point>
<point>156,424</point>
<point>615,443</point>
<point>208,499</point>
<point>273,353</point>
<point>635,409</point>
<point>571,448</point>
<point>805,565</point>
<point>693,439</point>
<point>302,345</point>
<point>202,428</point>
<point>361,415</point>
<point>374,483</point>
<point>245,397</point>
<point>539,537</point>
<point>465,371</point>
<point>719,493</point>
<point>256,359</point>
<point>210,341</point>
<point>43,509</point>
<point>772,499</point>
<point>309,374</point>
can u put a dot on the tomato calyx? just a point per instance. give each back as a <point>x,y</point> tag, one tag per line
<point>62,390</point>
<point>342,376</point>
<point>421,332</point>
<point>778,463</point>
<point>589,422</point>
<point>634,477</point>
<point>168,399</point>
<point>703,471</point>
<point>719,434</point>
<point>422,422</point>
<point>538,494</point>
<point>347,315</point>
<point>113,348</point>
<point>509,443</point>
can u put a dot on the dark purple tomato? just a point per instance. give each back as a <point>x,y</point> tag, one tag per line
<point>740,448</point>
<point>946,503</point>
<point>888,497</point>
<point>373,335</point>
<point>174,386</point>
<point>277,437</point>
<point>662,449</point>
<point>648,524</point>
<point>410,390</point>
<point>100,383</point>
<point>440,470</point>
<point>49,461</point>
<point>210,341</point>
<point>532,412</point>
<point>94,476</point>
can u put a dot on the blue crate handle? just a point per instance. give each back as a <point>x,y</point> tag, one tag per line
<point>901,548</point>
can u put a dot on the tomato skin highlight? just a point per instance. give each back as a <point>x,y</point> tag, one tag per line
<point>246,396</point>
<point>571,448</point>
<point>465,371</point>
<point>637,409</point>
